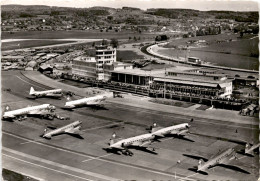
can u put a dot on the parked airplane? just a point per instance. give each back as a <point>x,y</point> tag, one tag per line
<point>42,110</point>
<point>178,130</point>
<point>141,141</point>
<point>222,158</point>
<point>48,93</point>
<point>71,129</point>
<point>249,149</point>
<point>88,101</point>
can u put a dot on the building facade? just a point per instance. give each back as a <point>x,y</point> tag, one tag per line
<point>84,67</point>
<point>100,66</point>
<point>179,82</point>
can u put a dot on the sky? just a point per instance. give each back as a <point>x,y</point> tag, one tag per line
<point>232,5</point>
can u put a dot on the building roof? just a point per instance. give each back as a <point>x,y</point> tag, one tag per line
<point>160,74</point>
<point>206,84</point>
<point>12,57</point>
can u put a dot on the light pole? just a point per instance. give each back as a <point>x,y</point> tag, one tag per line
<point>178,162</point>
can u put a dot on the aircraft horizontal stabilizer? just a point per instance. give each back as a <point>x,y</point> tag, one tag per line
<point>69,107</point>
<point>9,116</point>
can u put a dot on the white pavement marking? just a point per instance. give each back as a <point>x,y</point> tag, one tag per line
<point>97,157</point>
<point>57,165</point>
<point>31,141</point>
<point>100,127</point>
<point>44,167</point>
<point>175,116</point>
<point>11,102</point>
<point>29,82</point>
<point>108,161</point>
<point>241,157</point>
<point>185,178</point>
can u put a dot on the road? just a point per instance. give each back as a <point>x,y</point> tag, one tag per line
<point>65,157</point>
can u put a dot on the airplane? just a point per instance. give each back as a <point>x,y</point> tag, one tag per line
<point>250,149</point>
<point>42,110</point>
<point>48,93</point>
<point>178,130</point>
<point>72,129</point>
<point>221,158</point>
<point>87,101</point>
<point>120,144</point>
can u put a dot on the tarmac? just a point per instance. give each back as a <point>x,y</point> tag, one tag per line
<point>143,102</point>
<point>67,158</point>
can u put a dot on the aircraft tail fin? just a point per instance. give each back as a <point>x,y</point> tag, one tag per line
<point>247,147</point>
<point>4,110</point>
<point>154,128</point>
<point>201,163</point>
<point>113,139</point>
<point>45,130</point>
<point>7,108</point>
<point>32,91</point>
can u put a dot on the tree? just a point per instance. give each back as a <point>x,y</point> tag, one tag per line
<point>135,39</point>
<point>114,43</point>
<point>130,38</point>
<point>104,42</point>
<point>241,34</point>
<point>93,44</point>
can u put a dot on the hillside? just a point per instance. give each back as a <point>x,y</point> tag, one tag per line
<point>105,19</point>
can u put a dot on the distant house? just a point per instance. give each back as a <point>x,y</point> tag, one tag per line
<point>161,38</point>
<point>32,28</point>
<point>44,28</point>
<point>46,68</point>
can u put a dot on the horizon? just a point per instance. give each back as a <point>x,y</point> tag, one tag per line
<point>241,5</point>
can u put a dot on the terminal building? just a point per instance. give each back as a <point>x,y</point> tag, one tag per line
<point>100,66</point>
<point>186,80</point>
<point>178,80</point>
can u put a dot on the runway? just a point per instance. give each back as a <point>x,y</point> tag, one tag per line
<point>86,159</point>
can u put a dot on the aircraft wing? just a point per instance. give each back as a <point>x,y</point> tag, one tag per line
<point>95,102</point>
<point>73,130</point>
<point>54,95</point>
<point>142,144</point>
<point>42,112</point>
<point>183,132</point>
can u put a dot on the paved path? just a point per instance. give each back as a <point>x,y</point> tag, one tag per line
<point>153,50</point>
<point>77,41</point>
<point>143,102</point>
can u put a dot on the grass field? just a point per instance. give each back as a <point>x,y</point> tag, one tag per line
<point>211,39</point>
<point>13,176</point>
<point>127,55</point>
<point>241,53</point>
<point>90,34</point>
<point>172,102</point>
<point>29,43</point>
